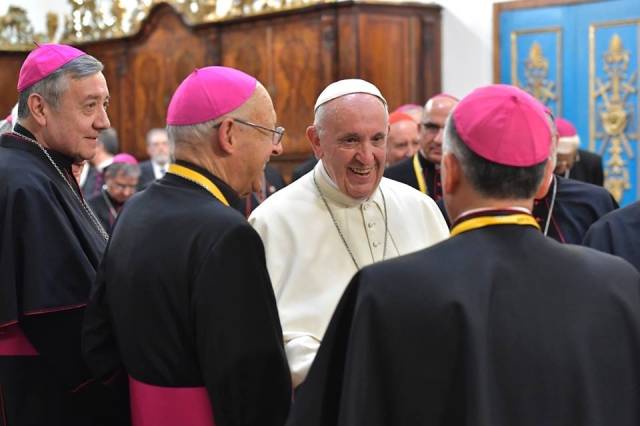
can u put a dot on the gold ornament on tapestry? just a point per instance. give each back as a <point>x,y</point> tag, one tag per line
<point>536,71</point>
<point>614,114</point>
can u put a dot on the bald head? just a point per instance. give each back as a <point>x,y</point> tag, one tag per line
<point>436,111</point>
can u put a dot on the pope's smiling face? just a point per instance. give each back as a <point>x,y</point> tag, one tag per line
<point>350,138</point>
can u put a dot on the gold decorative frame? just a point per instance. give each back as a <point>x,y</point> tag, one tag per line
<point>514,58</point>
<point>617,185</point>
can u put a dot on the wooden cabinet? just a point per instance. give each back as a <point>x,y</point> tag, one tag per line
<point>294,53</point>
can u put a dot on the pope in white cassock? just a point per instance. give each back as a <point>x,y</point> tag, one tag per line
<point>341,216</point>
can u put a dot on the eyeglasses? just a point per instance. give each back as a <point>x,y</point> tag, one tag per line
<point>277,133</point>
<point>123,187</point>
<point>432,128</point>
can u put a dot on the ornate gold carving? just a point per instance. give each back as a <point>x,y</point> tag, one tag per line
<point>537,66</point>
<point>52,25</point>
<point>536,71</point>
<point>614,114</point>
<point>88,21</point>
<point>15,28</point>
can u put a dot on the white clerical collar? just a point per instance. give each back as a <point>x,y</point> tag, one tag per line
<point>333,193</point>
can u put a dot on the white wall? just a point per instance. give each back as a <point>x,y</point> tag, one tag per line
<point>467,44</point>
<point>466,38</point>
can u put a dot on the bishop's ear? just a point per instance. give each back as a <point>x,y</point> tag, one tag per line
<point>38,108</point>
<point>226,137</point>
<point>451,172</point>
<point>546,180</point>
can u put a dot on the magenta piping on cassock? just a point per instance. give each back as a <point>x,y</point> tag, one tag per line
<point>13,342</point>
<point>167,406</point>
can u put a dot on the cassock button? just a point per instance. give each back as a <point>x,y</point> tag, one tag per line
<point>375,244</point>
<point>371,224</point>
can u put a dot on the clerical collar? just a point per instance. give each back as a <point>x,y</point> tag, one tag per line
<point>62,160</point>
<point>229,193</point>
<point>333,193</point>
<point>482,217</point>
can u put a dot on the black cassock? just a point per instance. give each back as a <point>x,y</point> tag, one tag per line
<point>618,233</point>
<point>512,329</point>
<point>577,205</point>
<point>183,300</point>
<point>49,252</point>
<point>404,172</point>
<point>104,207</point>
<point>587,168</point>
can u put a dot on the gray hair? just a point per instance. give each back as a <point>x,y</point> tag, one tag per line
<point>488,178</point>
<point>191,133</point>
<point>109,139</point>
<point>53,86</point>
<point>126,169</point>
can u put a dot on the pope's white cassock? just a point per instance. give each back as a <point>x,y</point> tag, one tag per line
<point>310,264</point>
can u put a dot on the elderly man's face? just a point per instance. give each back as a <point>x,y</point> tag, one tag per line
<point>121,186</point>
<point>73,127</point>
<point>435,115</point>
<point>258,146</point>
<point>158,147</point>
<point>402,142</point>
<point>351,143</point>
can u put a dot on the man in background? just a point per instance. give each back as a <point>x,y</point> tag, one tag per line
<point>91,176</point>
<point>121,181</point>
<point>573,162</point>
<point>159,150</point>
<point>422,171</point>
<point>403,141</point>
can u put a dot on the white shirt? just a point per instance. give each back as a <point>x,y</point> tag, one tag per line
<point>308,262</point>
<point>158,170</point>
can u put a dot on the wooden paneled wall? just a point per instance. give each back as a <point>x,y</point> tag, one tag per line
<point>295,54</point>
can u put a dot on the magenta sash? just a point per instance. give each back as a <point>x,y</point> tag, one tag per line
<point>13,342</point>
<point>166,406</point>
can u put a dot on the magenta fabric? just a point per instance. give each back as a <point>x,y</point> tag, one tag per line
<point>13,342</point>
<point>504,124</point>
<point>565,128</point>
<point>168,406</point>
<point>43,61</point>
<point>125,158</point>
<point>209,93</point>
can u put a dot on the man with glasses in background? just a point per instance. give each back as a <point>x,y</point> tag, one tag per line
<point>422,171</point>
<point>183,288</point>
<point>320,230</point>
<point>121,181</point>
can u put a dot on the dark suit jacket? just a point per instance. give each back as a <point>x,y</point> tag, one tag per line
<point>588,168</point>
<point>304,168</point>
<point>577,206</point>
<point>618,233</point>
<point>146,175</point>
